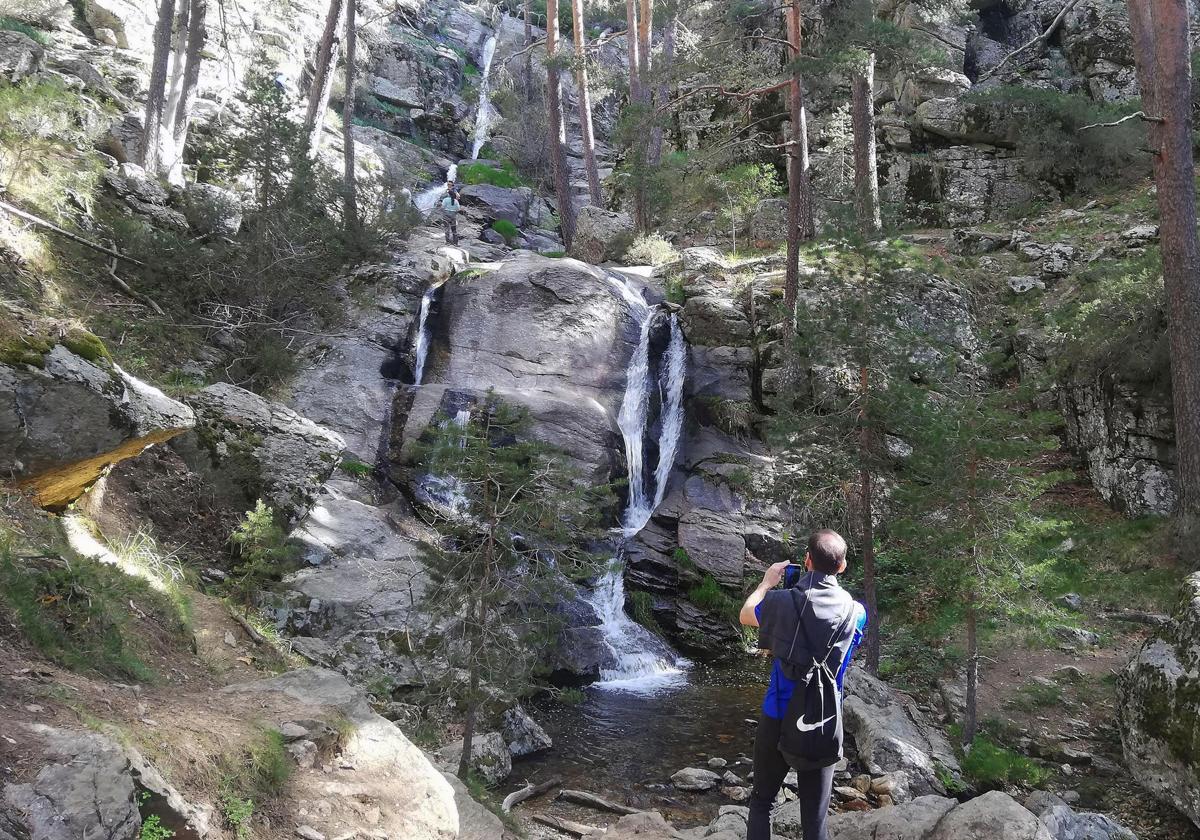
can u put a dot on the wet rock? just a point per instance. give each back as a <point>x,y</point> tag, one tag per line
<point>66,419</point>
<point>490,757</point>
<point>83,789</point>
<point>894,738</point>
<point>251,448</point>
<point>523,734</point>
<point>695,778</point>
<point>601,235</point>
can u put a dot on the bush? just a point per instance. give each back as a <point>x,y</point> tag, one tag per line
<point>483,173</point>
<point>13,25</point>
<point>992,767</point>
<point>711,597</point>
<point>250,776</point>
<point>506,229</point>
<point>264,551</point>
<point>651,249</point>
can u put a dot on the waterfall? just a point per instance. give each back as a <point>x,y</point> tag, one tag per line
<point>671,385</point>
<point>483,113</point>
<point>422,348</point>
<point>642,661</point>
<point>428,199</point>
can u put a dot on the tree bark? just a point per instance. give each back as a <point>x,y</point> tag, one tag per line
<point>1161,43</point>
<point>197,34</point>
<point>800,219</point>
<point>528,55</point>
<point>174,86</point>
<point>558,136</point>
<point>645,26</point>
<point>971,713</point>
<point>866,478</point>
<point>866,176</point>
<point>322,81</point>
<point>631,41</point>
<point>152,127</point>
<point>350,212</point>
<point>585,104</point>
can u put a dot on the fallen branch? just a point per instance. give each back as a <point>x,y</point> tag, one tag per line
<point>258,638</point>
<point>138,296</point>
<point>565,826</point>
<point>1040,39</point>
<point>1136,115</point>
<point>527,792</point>
<point>50,226</point>
<point>582,797</point>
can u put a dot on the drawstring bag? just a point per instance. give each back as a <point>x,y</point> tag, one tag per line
<point>811,734</point>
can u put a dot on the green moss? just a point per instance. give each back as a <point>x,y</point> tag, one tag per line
<point>483,173</point>
<point>991,766</point>
<point>506,229</point>
<point>709,596</point>
<point>13,25</point>
<point>641,608</point>
<point>85,345</point>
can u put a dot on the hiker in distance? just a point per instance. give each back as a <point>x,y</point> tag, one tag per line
<point>811,626</point>
<point>450,208</point>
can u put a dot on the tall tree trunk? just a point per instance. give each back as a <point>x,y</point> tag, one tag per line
<point>322,81</point>
<point>558,134</point>
<point>350,213</point>
<point>971,713</point>
<point>662,93</point>
<point>197,33</point>
<point>1161,52</point>
<point>152,128</point>
<point>866,453</point>
<point>472,711</point>
<point>174,86</point>
<point>645,33</point>
<point>528,55</point>
<point>585,104</point>
<point>800,214</point>
<point>866,176</point>
<point>631,42</point>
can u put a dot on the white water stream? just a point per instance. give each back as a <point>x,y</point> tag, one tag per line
<point>642,661</point>
<point>422,348</point>
<point>483,113</point>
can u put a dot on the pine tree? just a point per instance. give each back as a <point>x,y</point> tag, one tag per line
<point>557,126</point>
<point>866,175</point>
<point>585,104</point>
<point>800,225</point>
<point>506,555</point>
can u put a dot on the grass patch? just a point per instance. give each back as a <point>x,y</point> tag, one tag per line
<point>1036,696</point>
<point>356,468</point>
<point>483,173</point>
<point>480,792</point>
<point>709,596</point>
<point>675,292</point>
<point>992,767</point>
<point>641,609</point>
<point>251,776</point>
<point>11,24</point>
<point>506,229</point>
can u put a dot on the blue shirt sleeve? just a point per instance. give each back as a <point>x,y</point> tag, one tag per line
<point>860,629</point>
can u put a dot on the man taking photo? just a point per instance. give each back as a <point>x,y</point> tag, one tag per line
<point>811,626</point>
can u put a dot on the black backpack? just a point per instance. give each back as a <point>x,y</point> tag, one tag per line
<point>811,734</point>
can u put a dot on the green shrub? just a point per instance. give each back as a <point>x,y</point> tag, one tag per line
<point>357,468</point>
<point>252,775</point>
<point>675,292</point>
<point>238,812</point>
<point>506,229</point>
<point>264,551</point>
<point>483,173</point>
<point>991,766</point>
<point>709,596</point>
<point>153,829</point>
<point>13,25</point>
<point>641,608</point>
<point>651,249</point>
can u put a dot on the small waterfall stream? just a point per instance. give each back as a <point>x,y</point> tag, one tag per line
<point>642,661</point>
<point>483,113</point>
<point>422,347</point>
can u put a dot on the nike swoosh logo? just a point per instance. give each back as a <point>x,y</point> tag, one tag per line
<point>809,727</point>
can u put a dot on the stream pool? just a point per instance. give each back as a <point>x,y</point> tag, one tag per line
<point>624,745</point>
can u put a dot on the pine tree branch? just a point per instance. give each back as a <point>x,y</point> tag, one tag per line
<point>1039,40</point>
<point>1136,115</point>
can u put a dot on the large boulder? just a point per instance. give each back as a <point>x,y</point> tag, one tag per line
<point>67,413</point>
<point>490,757</point>
<point>994,815</point>
<point>894,737</point>
<point>511,204</point>
<point>251,448</point>
<point>1064,823</point>
<point>376,764</point>
<point>523,734</point>
<point>1160,703</point>
<point>83,789</point>
<point>20,56</point>
<point>601,235</point>
<point>1127,435</point>
<point>212,210</point>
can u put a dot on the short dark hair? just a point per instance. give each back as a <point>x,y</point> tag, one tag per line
<point>827,550</point>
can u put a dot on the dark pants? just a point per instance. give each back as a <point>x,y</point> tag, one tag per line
<point>452,228</point>
<point>770,767</point>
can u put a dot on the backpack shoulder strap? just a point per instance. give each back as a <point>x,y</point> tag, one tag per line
<point>837,634</point>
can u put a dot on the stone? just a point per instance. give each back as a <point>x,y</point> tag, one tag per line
<point>509,203</point>
<point>66,419</point>
<point>768,223</point>
<point>894,738</point>
<point>304,753</point>
<point>1057,260</point>
<point>84,788</point>
<point>973,241</point>
<point>695,778</point>
<point>293,731</point>
<point>646,825</point>
<point>731,778</point>
<point>714,321</point>
<point>212,210</point>
<point>846,793</point>
<point>1140,235</point>
<point>1071,601</point>
<point>1025,283</point>
<point>251,448</point>
<point>387,768</point>
<point>1077,636</point>
<point>601,235</point>
<point>523,734</point>
<point>716,763</point>
<point>907,821</point>
<point>1065,824</point>
<point>1069,673</point>
<point>738,793</point>
<point>490,757</point>
<point>994,815</point>
<point>20,56</point>
<point>309,833</point>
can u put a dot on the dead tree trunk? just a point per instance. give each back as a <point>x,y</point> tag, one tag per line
<point>866,176</point>
<point>558,134</point>
<point>156,95</point>
<point>174,86</point>
<point>350,211</point>
<point>645,26</point>
<point>322,80</point>
<point>1161,53</point>
<point>196,36</point>
<point>585,105</point>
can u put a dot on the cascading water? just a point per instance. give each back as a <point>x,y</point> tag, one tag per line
<point>422,348</point>
<point>427,200</point>
<point>642,662</point>
<point>483,114</point>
